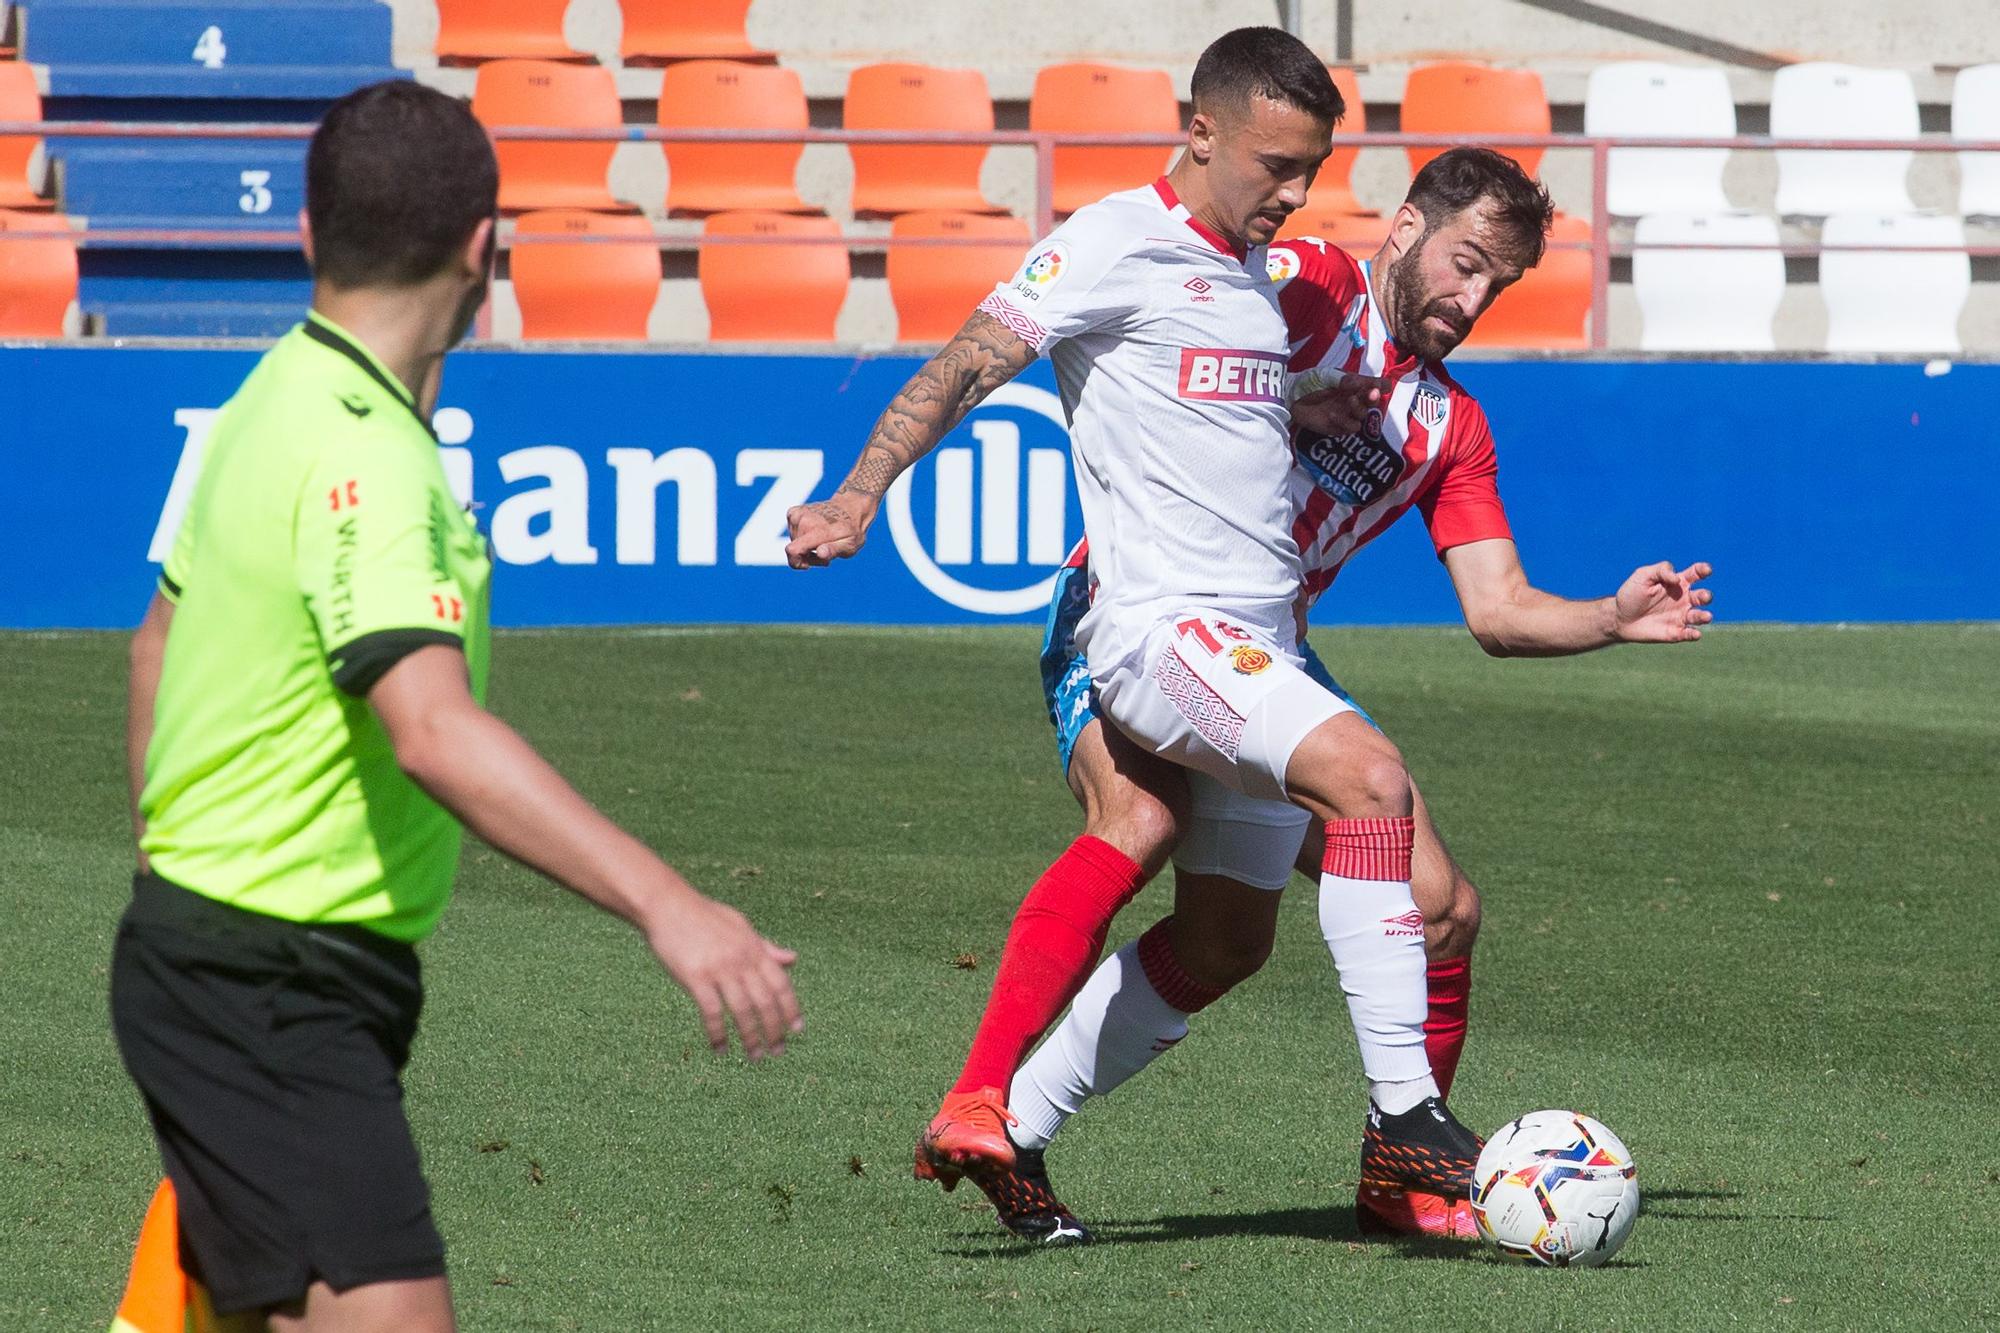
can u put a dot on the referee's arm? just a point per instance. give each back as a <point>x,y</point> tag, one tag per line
<point>481,770</point>
<point>149,646</point>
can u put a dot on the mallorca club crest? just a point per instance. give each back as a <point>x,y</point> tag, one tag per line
<point>1248,661</point>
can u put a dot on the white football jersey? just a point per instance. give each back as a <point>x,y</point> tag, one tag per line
<point>1170,354</point>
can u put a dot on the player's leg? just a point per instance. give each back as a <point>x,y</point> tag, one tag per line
<point>1451,909</point>
<point>419,1306</point>
<point>1133,806</point>
<point>1136,1006</point>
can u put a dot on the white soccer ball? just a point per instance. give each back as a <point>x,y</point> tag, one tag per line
<point>1555,1188</point>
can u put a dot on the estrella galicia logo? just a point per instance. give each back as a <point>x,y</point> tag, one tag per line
<point>985,523</point>
<point>1356,469</point>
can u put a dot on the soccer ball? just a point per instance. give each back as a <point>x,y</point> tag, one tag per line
<point>1557,1189</point>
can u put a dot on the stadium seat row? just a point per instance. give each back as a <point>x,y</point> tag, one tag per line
<point>655,31</point>
<point>1721,298</point>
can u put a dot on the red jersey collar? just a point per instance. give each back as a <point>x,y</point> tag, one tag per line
<point>1215,238</point>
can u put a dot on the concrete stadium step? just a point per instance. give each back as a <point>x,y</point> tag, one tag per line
<point>208,48</point>
<point>213,319</point>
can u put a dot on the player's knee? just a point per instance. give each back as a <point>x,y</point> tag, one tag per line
<point>1141,824</point>
<point>1224,958</point>
<point>1380,786</point>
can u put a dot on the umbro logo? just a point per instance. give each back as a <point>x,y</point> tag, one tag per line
<point>353,402</point>
<point>1409,923</point>
<point>1200,288</point>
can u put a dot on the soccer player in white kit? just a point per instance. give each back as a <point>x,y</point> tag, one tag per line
<point>1471,222</point>
<point>1170,351</point>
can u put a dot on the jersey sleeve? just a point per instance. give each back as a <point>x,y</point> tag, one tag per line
<point>1465,506</point>
<point>1075,281</point>
<point>1316,283</point>
<point>180,556</point>
<point>369,555</point>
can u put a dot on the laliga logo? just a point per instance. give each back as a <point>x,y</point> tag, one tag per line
<point>1000,510</point>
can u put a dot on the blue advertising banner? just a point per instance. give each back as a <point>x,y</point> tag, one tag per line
<point>652,487</point>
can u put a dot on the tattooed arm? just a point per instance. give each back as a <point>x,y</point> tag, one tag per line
<point>981,357</point>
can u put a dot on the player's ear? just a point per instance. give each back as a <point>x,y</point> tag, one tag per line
<point>1405,228</point>
<point>306,236</point>
<point>1201,136</point>
<point>478,253</point>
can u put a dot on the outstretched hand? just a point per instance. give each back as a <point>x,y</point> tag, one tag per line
<point>713,952</point>
<point>826,530</point>
<point>1659,604</point>
<point>1336,403</point>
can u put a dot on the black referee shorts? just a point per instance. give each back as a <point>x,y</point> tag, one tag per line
<point>269,1055</point>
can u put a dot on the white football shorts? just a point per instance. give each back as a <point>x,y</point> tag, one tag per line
<point>1212,696</point>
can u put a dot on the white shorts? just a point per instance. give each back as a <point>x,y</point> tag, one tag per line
<point>1239,837</point>
<point>1229,702</point>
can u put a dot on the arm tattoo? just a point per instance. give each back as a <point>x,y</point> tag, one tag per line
<point>984,355</point>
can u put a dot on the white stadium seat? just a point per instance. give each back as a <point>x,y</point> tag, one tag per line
<point>1888,302</point>
<point>1647,98</point>
<point>1707,300</point>
<point>1823,100</point>
<point>1975,114</point>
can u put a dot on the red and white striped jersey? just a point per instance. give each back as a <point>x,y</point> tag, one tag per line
<point>1429,446</point>
<point>1170,355</point>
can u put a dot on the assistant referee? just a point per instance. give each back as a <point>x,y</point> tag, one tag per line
<point>306,736</point>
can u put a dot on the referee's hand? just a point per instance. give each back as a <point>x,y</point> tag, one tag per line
<point>725,966</point>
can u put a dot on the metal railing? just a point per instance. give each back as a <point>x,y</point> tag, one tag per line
<point>1601,245</point>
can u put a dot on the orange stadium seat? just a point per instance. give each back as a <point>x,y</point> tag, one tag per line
<point>1332,198</point>
<point>37,274</point>
<point>725,94</point>
<point>1458,98</point>
<point>602,289</point>
<point>905,178</point>
<point>470,31</point>
<point>935,288</point>
<point>1103,99</point>
<point>536,174</point>
<point>19,100</point>
<point>660,31</point>
<point>1550,306</point>
<point>772,293</point>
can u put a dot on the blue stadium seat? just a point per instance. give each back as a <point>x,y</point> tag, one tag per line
<point>265,49</point>
<point>192,293</point>
<point>209,183</point>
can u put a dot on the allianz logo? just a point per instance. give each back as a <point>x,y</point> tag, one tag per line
<point>983,517</point>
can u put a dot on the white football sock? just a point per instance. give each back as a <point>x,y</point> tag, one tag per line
<point>1117,1025</point>
<point>1394,1098</point>
<point>1376,934</point>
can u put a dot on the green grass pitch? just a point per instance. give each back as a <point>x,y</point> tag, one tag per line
<point>1740,905</point>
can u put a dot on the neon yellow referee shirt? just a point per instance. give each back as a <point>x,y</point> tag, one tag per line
<point>322,544</point>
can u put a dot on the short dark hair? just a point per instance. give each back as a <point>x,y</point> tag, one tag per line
<point>397,177</point>
<point>1458,178</point>
<point>1265,62</point>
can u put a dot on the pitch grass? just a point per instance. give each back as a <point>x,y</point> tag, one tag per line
<point>1739,905</point>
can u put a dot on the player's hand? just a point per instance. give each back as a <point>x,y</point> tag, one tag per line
<point>1334,403</point>
<point>826,530</point>
<point>1660,604</point>
<point>727,968</point>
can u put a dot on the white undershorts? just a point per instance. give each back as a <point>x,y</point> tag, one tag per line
<point>1239,837</point>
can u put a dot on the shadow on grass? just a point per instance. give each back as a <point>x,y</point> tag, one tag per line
<point>1331,1224</point>
<point>1650,1206</point>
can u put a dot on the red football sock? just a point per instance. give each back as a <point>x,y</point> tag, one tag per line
<point>1051,948</point>
<point>1166,975</point>
<point>1448,982</point>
